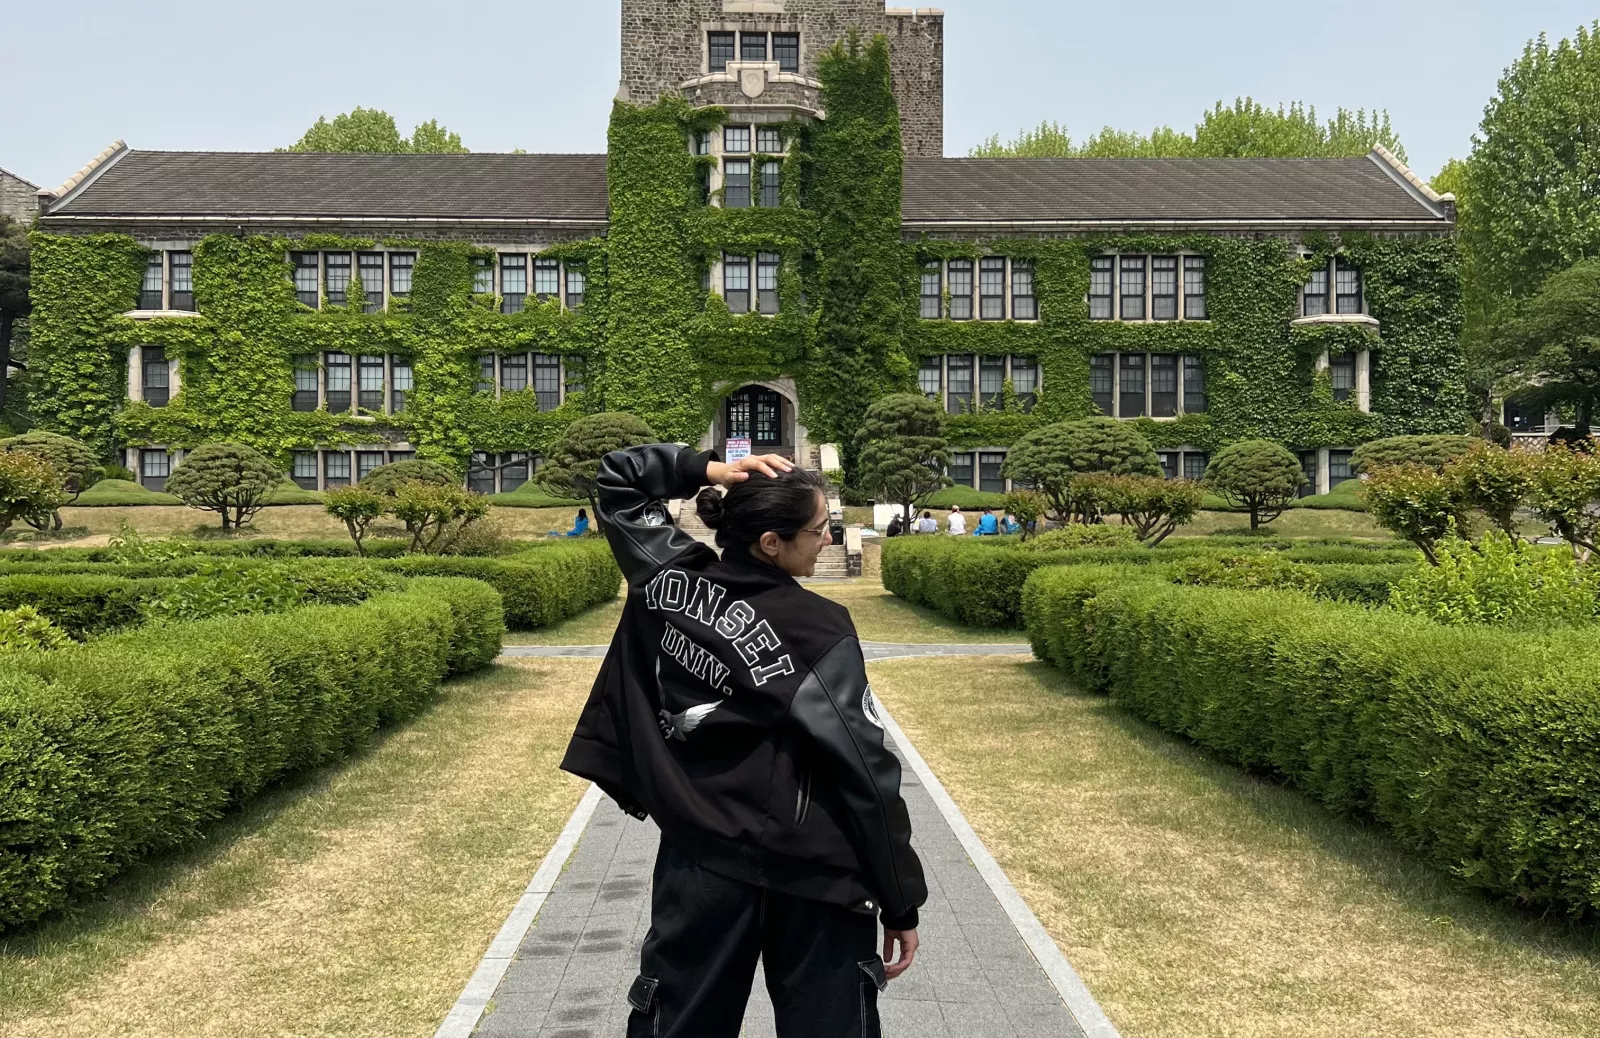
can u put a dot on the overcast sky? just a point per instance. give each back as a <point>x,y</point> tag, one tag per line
<point>540,74</point>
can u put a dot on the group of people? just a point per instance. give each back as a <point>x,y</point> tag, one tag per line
<point>989,524</point>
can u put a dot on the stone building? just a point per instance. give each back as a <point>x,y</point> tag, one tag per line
<point>1311,300</point>
<point>18,198</point>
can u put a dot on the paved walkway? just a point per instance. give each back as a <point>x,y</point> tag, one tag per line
<point>986,967</point>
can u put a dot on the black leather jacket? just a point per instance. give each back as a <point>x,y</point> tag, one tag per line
<point>733,709</point>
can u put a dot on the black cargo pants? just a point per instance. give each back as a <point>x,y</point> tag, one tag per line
<point>822,963</point>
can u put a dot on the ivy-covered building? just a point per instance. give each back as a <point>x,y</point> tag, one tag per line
<point>772,241</point>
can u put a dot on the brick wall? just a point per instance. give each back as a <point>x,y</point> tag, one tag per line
<point>663,45</point>
<point>18,199</point>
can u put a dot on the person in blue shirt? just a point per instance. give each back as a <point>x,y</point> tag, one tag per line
<point>1009,524</point>
<point>580,525</point>
<point>988,525</point>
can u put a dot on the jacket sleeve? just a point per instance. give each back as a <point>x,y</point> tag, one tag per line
<point>633,486</point>
<point>834,707</point>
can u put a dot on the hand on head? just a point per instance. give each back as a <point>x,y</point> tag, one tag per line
<point>729,473</point>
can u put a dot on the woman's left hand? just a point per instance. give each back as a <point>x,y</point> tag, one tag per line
<point>727,474</point>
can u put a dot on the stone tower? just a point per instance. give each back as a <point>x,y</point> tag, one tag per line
<point>678,46</point>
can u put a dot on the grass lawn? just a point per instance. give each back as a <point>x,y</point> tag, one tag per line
<point>354,904</point>
<point>1199,901</point>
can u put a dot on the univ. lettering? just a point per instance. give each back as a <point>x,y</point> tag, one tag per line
<point>700,599</point>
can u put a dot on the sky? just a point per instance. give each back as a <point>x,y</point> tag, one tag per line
<point>243,75</point>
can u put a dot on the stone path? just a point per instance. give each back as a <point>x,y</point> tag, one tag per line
<point>986,967</point>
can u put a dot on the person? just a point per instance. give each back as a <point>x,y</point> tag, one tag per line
<point>988,525</point>
<point>1009,524</point>
<point>957,521</point>
<point>580,525</point>
<point>927,524</point>
<point>894,526</point>
<point>733,710</point>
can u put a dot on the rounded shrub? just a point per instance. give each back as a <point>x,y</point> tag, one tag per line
<point>1258,475</point>
<point>1434,452</point>
<point>232,479</point>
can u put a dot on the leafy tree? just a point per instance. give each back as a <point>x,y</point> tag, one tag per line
<point>359,507</point>
<point>373,130</point>
<point>73,461</point>
<point>231,479</point>
<point>14,302</point>
<point>1566,494</point>
<point>437,515</point>
<point>1258,475</point>
<point>1554,346</point>
<point>385,480</point>
<point>1415,503</point>
<point>903,450</point>
<point>1429,451</point>
<point>1246,129</point>
<point>1154,507</point>
<point>1496,482</point>
<point>573,464</point>
<point>1028,506</point>
<point>1050,459</point>
<point>30,489</point>
<point>1501,582</point>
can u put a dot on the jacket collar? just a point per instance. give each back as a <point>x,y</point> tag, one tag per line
<point>740,556</point>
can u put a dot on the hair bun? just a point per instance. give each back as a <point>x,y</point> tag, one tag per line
<point>708,506</point>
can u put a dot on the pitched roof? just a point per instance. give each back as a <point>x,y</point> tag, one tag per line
<point>310,184</point>
<point>1114,191</point>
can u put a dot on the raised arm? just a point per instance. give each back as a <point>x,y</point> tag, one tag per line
<point>635,485</point>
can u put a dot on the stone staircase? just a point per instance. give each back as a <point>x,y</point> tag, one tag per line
<point>832,564</point>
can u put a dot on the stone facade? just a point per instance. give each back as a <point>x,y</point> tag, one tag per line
<point>664,52</point>
<point>18,198</point>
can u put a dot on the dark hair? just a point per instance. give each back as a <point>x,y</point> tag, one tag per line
<point>582,514</point>
<point>785,505</point>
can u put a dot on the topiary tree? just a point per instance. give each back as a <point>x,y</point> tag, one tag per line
<point>1416,503</point>
<point>386,478</point>
<point>358,506</point>
<point>573,464</point>
<point>1049,459</point>
<point>437,515</point>
<point>1566,494</point>
<point>73,460</point>
<point>30,489</point>
<point>1258,475</point>
<point>1432,451</point>
<point>1496,482</point>
<point>1151,505</point>
<point>903,451</point>
<point>1028,506</point>
<point>231,479</point>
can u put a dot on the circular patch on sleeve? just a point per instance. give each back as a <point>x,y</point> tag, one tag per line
<point>869,706</point>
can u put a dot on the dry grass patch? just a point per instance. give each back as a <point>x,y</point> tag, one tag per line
<point>1197,900</point>
<point>355,904</point>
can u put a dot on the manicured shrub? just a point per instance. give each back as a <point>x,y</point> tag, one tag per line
<point>232,479</point>
<point>1495,481</point>
<point>1501,582</point>
<point>1247,572</point>
<point>1083,535</point>
<point>82,604</point>
<point>223,587</point>
<point>358,507</point>
<point>386,478</point>
<point>573,464</point>
<point>903,450</point>
<point>134,743</point>
<point>30,489</point>
<point>1259,476</point>
<point>1151,506</point>
<point>1430,451</point>
<point>1415,503</point>
<point>73,460</point>
<point>539,587</point>
<point>1478,748</point>
<point>25,629</point>
<point>436,515</point>
<point>1027,507</point>
<point>1368,585</point>
<point>1050,460</point>
<point>1566,494</point>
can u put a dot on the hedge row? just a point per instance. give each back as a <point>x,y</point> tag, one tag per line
<point>1479,748</point>
<point>131,744</point>
<point>82,604</point>
<point>264,548</point>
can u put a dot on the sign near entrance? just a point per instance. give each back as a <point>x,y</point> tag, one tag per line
<point>737,447</point>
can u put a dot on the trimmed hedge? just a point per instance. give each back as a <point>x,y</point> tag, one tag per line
<point>82,604</point>
<point>130,745</point>
<point>540,587</point>
<point>264,548</point>
<point>1478,748</point>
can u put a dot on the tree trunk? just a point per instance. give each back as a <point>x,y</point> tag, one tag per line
<point>5,356</point>
<point>1585,414</point>
<point>1255,518</point>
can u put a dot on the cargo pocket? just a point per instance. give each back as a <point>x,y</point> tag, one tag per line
<point>645,1020</point>
<point>873,982</point>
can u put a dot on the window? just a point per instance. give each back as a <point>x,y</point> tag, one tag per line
<point>752,46</point>
<point>304,470</point>
<point>932,290</point>
<point>1346,288</point>
<point>1025,380</point>
<point>482,275</point>
<point>1132,291</point>
<point>1170,460</point>
<point>961,470</point>
<point>336,277</point>
<point>769,424</point>
<point>547,380</point>
<point>401,382</point>
<point>305,277</point>
<point>1101,308</point>
<point>546,279</point>
<point>1308,468</point>
<point>513,283</point>
<point>1163,385</point>
<point>961,290</point>
<point>770,178</point>
<point>1164,288</point>
<point>960,378</point>
<point>337,366</point>
<point>1342,368</point>
<point>719,48</point>
<point>485,373</point>
<point>992,289</point>
<point>400,266</point>
<point>369,373</point>
<point>1194,288</point>
<point>336,469</point>
<point>480,473</point>
<point>1194,385</point>
<point>736,283</point>
<point>150,294</point>
<point>155,377</point>
<point>573,365</point>
<point>396,456</point>
<point>305,382</point>
<point>1339,468</point>
<point>736,140</point>
<point>513,372</point>
<point>1194,464</point>
<point>370,266</point>
<point>991,380</point>
<point>1131,397</point>
<point>989,478</point>
<point>767,282</point>
<point>181,280</point>
<point>513,472</point>
<point>366,462</point>
<point>1024,307</point>
<point>1103,382</point>
<point>769,141</point>
<point>786,51</point>
<point>930,377</point>
<point>736,184</point>
<point>1316,294</point>
<point>154,468</point>
<point>577,284</point>
<point>701,142</point>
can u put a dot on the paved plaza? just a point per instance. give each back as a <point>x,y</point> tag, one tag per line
<point>986,968</point>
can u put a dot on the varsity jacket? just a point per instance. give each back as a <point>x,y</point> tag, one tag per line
<point>733,710</point>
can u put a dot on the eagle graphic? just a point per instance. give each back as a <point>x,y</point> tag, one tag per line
<point>678,726</point>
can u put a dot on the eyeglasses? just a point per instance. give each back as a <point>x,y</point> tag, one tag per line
<point>816,531</point>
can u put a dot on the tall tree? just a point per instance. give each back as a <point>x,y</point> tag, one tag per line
<point>1245,129</point>
<point>14,304</point>
<point>903,451</point>
<point>374,130</point>
<point>1554,346</point>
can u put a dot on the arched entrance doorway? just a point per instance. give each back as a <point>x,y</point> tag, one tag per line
<point>765,413</point>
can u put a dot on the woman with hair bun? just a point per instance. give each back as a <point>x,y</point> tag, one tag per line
<point>733,710</point>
